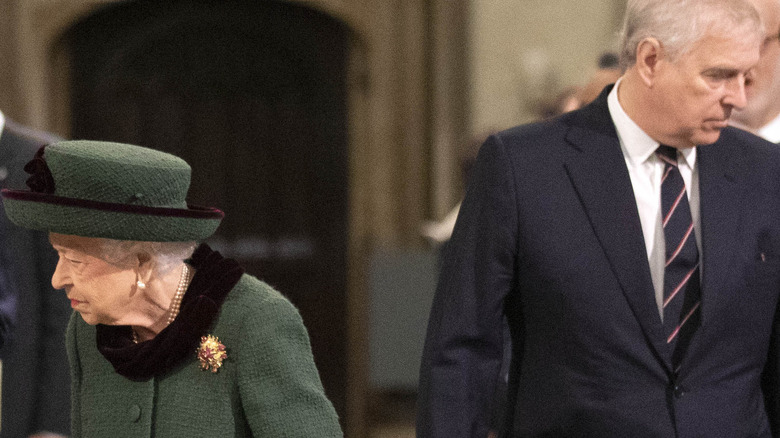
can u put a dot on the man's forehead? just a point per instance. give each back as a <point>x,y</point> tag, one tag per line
<point>731,48</point>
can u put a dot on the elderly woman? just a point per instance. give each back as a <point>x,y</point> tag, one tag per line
<point>167,342</point>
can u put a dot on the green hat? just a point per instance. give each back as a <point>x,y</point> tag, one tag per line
<point>111,190</point>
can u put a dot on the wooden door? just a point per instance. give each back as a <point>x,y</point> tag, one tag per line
<point>253,95</point>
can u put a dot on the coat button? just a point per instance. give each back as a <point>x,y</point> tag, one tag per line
<point>134,413</point>
<point>679,391</point>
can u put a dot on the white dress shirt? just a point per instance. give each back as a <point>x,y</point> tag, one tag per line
<point>645,170</point>
<point>771,131</point>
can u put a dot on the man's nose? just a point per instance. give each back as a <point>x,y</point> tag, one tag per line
<point>735,93</point>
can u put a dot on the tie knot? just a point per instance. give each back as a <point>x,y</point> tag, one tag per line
<point>668,152</point>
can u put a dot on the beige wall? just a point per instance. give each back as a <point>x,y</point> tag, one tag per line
<point>524,50</point>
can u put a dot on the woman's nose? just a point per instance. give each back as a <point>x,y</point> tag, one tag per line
<point>61,277</point>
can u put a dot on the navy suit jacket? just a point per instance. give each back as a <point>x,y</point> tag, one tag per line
<point>36,383</point>
<point>549,238</point>
<point>7,294</point>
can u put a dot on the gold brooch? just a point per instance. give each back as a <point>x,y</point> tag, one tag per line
<point>211,353</point>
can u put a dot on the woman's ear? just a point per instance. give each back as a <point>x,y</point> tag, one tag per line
<point>143,270</point>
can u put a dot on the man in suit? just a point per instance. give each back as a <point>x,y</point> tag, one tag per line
<point>762,113</point>
<point>633,247</point>
<point>36,384</point>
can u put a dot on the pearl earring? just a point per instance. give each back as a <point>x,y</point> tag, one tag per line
<point>140,284</point>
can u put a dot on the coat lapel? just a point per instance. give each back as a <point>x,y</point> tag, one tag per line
<point>597,169</point>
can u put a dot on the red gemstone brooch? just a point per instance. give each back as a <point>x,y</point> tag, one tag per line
<point>211,353</point>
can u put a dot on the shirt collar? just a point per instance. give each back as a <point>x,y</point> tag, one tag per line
<point>636,144</point>
<point>771,131</point>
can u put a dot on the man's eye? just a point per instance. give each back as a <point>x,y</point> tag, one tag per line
<point>74,261</point>
<point>721,75</point>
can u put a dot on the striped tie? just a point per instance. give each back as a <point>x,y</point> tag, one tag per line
<point>682,294</point>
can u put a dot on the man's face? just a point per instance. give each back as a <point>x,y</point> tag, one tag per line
<point>763,88</point>
<point>696,93</point>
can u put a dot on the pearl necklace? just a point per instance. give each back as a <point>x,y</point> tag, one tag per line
<point>184,281</point>
<point>173,311</point>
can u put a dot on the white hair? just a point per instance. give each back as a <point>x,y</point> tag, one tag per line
<point>164,255</point>
<point>679,24</point>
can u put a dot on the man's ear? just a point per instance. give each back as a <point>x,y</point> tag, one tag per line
<point>649,55</point>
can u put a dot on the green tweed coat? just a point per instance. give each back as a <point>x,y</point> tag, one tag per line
<point>267,387</point>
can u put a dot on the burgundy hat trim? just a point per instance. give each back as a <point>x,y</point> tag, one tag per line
<point>193,211</point>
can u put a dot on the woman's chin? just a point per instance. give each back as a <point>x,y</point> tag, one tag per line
<point>89,318</point>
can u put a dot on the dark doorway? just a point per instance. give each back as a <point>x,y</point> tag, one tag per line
<point>253,95</point>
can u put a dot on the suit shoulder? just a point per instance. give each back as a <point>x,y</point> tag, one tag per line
<point>533,133</point>
<point>732,134</point>
<point>551,135</point>
<point>528,142</point>
<point>748,145</point>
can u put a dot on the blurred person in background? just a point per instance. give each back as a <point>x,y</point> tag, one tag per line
<point>575,97</point>
<point>762,113</point>
<point>35,384</point>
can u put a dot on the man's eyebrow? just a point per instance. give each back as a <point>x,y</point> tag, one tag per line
<point>723,70</point>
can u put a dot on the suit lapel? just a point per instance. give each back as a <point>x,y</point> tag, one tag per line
<point>597,169</point>
<point>720,195</point>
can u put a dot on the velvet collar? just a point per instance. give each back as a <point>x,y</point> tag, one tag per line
<point>215,276</point>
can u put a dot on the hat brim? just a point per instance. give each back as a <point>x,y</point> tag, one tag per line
<point>44,212</point>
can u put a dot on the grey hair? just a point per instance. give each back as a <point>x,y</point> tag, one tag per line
<point>679,24</point>
<point>165,255</point>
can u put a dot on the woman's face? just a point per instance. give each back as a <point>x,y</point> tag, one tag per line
<point>100,291</point>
